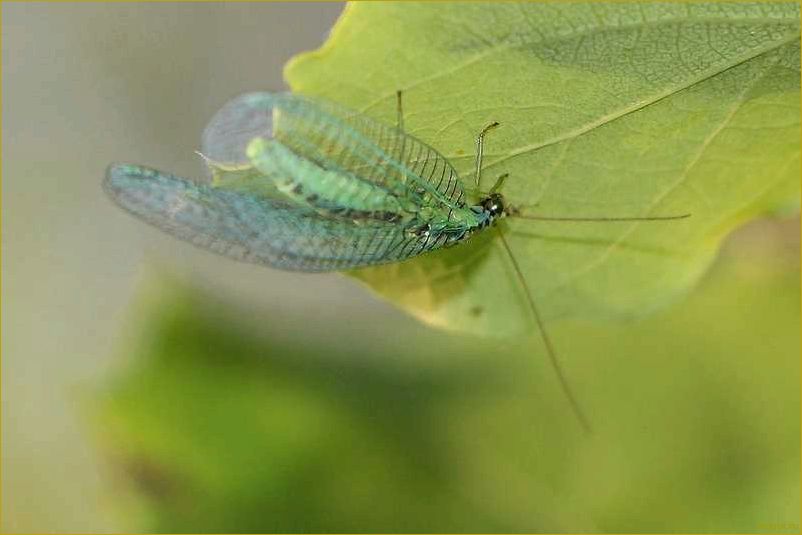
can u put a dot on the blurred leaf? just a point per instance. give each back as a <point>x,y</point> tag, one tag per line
<point>696,412</point>
<point>616,109</point>
<point>224,431</point>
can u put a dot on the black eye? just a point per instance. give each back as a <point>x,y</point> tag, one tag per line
<point>493,205</point>
<point>497,206</point>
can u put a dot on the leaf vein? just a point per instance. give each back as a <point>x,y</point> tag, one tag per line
<point>672,187</point>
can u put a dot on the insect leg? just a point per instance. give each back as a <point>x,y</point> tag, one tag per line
<point>499,183</point>
<point>400,110</point>
<point>400,126</point>
<point>480,147</point>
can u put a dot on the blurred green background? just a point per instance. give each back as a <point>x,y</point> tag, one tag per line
<point>150,386</point>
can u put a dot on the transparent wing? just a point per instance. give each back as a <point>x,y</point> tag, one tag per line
<point>335,138</point>
<point>226,137</point>
<point>254,228</point>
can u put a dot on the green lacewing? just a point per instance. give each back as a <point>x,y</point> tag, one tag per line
<point>304,184</point>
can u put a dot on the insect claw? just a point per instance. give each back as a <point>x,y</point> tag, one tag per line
<point>486,129</point>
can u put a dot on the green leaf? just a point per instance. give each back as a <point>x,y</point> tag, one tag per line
<point>605,110</point>
<point>218,427</point>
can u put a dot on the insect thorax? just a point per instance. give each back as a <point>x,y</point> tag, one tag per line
<point>480,216</point>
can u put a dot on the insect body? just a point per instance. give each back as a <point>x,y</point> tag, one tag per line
<point>306,185</point>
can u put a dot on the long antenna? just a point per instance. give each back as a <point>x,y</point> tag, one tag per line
<point>598,219</point>
<point>577,409</point>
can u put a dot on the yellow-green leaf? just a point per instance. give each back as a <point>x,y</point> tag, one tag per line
<point>618,109</point>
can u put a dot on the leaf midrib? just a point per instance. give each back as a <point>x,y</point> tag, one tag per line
<point>683,177</point>
<point>627,110</point>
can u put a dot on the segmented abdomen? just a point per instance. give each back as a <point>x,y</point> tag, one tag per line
<point>337,139</point>
<point>333,193</point>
